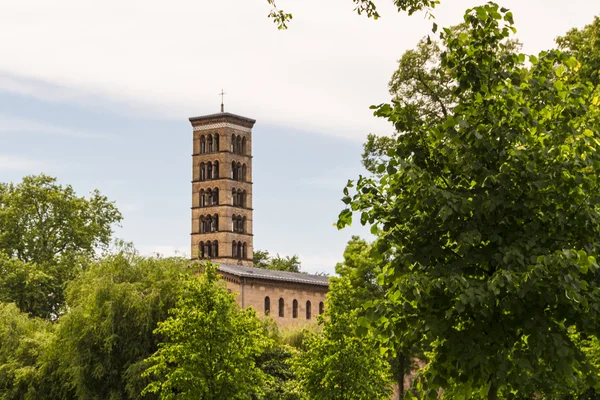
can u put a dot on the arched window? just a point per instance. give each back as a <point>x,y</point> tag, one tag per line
<point>216,142</point>
<point>216,170</point>
<point>233,197</point>
<point>267,305</point>
<point>238,143</point>
<point>243,225</point>
<point>244,172</point>
<point>233,221</point>
<point>214,223</point>
<point>281,305</point>
<point>233,249</point>
<point>321,308</point>
<point>245,252</point>
<point>244,146</point>
<point>202,172</point>
<point>243,202</point>
<point>209,171</point>
<point>233,171</point>
<point>202,144</point>
<point>202,198</point>
<point>215,250</point>
<point>201,248</point>
<point>295,309</point>
<point>209,197</point>
<point>238,172</point>
<point>233,143</point>
<point>210,143</point>
<point>308,312</point>
<point>215,197</point>
<point>202,225</point>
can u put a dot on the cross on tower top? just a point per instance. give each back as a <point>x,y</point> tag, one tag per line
<point>222,94</point>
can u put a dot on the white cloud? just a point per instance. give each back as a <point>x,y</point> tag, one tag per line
<point>17,125</point>
<point>172,58</point>
<point>12,163</point>
<point>319,263</point>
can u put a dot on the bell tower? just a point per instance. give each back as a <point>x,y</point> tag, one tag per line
<point>222,188</point>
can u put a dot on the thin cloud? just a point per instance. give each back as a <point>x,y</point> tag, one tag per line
<point>17,125</point>
<point>12,163</point>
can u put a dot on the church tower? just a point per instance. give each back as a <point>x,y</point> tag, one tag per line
<point>222,188</point>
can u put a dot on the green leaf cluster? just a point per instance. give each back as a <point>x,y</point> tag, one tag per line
<point>489,216</point>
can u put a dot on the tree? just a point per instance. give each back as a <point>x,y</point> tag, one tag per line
<point>423,85</point>
<point>263,260</point>
<point>21,341</point>
<point>209,347</point>
<point>490,219</point>
<point>360,268</point>
<point>584,45</point>
<point>52,233</point>
<point>338,364</point>
<point>28,286</point>
<point>114,307</point>
<point>367,7</point>
<point>44,222</point>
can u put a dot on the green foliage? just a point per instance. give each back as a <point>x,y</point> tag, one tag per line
<point>53,233</point>
<point>22,339</point>
<point>263,260</point>
<point>584,45</point>
<point>423,86</point>
<point>367,7</point>
<point>43,222</point>
<point>338,364</point>
<point>209,347</point>
<point>490,219</point>
<point>27,285</point>
<point>114,307</point>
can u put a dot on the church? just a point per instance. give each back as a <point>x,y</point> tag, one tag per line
<point>222,223</point>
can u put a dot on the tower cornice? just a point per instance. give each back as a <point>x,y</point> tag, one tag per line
<point>224,120</point>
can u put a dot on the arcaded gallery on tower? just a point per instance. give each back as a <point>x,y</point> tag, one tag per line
<point>222,223</point>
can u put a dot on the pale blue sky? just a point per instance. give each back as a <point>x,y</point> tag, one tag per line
<point>98,94</point>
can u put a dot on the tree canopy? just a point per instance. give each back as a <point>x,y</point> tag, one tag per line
<point>209,347</point>
<point>47,236</point>
<point>489,216</point>
<point>262,259</point>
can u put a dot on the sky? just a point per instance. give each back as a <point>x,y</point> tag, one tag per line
<point>98,94</point>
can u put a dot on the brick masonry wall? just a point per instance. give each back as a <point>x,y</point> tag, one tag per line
<point>253,292</point>
<point>225,184</point>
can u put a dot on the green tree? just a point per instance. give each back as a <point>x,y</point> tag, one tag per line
<point>338,364</point>
<point>114,307</point>
<point>423,85</point>
<point>584,45</point>
<point>490,219</point>
<point>27,285</point>
<point>47,227</point>
<point>22,339</point>
<point>210,346</point>
<point>361,268</point>
<point>263,260</point>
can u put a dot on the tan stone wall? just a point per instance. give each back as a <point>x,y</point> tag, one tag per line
<point>253,293</point>
<point>225,184</point>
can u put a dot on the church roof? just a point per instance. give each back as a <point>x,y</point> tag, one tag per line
<point>259,273</point>
<point>222,115</point>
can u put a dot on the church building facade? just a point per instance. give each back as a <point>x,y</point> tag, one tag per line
<point>222,223</point>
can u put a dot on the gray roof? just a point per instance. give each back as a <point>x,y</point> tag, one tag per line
<point>222,115</point>
<point>259,273</point>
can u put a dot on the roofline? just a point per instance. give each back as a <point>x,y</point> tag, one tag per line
<point>222,115</point>
<point>277,278</point>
